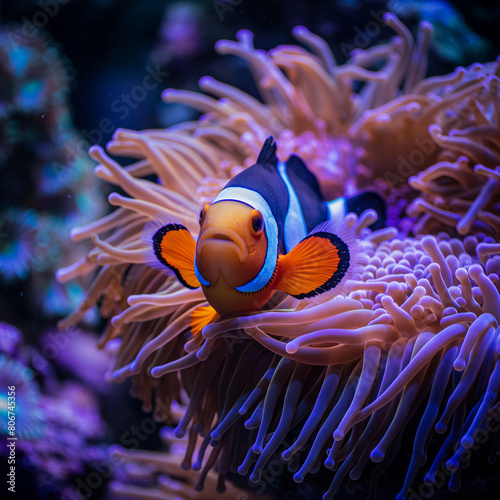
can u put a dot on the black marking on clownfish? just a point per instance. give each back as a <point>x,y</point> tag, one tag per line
<point>342,268</point>
<point>267,155</point>
<point>157,240</point>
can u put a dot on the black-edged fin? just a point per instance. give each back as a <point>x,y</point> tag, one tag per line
<point>267,155</point>
<point>201,317</point>
<point>320,263</point>
<point>172,247</point>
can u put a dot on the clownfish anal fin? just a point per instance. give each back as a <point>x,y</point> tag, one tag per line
<point>322,261</point>
<point>201,317</point>
<point>173,247</point>
<point>267,155</point>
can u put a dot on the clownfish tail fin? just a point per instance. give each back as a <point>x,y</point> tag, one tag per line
<point>321,263</point>
<point>267,156</point>
<point>171,247</point>
<point>201,317</point>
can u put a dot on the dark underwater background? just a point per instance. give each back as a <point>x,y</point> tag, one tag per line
<point>73,71</point>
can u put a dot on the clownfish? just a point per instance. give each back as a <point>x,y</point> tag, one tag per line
<point>268,229</point>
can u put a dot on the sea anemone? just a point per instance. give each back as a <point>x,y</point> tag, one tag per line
<point>161,475</point>
<point>331,385</point>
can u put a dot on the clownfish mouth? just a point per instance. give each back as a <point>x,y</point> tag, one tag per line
<point>219,236</point>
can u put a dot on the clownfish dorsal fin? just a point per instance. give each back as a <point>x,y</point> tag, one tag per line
<point>171,247</point>
<point>320,263</point>
<point>267,156</point>
<point>201,317</point>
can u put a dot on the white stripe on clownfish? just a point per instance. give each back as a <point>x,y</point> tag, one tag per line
<point>295,226</point>
<point>197,273</point>
<point>337,209</point>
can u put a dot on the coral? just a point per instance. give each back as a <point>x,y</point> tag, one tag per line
<point>72,426</point>
<point>10,337</point>
<point>17,244</point>
<point>417,334</point>
<point>28,413</point>
<point>46,176</point>
<point>58,429</point>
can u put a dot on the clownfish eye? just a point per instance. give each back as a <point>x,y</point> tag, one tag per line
<point>257,222</point>
<point>203,211</point>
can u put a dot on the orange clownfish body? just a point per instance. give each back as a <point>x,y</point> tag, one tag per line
<point>268,229</point>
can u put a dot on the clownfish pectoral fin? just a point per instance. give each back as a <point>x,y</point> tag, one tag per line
<point>319,263</point>
<point>201,317</point>
<point>172,247</point>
